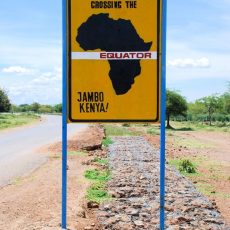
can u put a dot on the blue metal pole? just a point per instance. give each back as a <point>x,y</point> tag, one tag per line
<point>163,116</point>
<point>64,113</point>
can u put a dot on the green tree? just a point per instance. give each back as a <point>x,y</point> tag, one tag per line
<point>24,108</point>
<point>4,101</point>
<point>227,102</point>
<point>212,104</point>
<point>15,108</point>
<point>45,109</point>
<point>175,105</point>
<point>225,98</point>
<point>196,108</point>
<point>58,108</point>
<point>35,107</point>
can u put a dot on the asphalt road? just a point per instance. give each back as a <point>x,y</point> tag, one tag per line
<point>18,155</point>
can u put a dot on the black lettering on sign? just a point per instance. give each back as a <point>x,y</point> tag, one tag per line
<point>131,4</point>
<point>92,102</point>
<point>106,4</point>
<point>82,108</point>
<point>90,97</point>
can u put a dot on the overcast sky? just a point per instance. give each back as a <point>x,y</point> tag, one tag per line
<point>198,48</point>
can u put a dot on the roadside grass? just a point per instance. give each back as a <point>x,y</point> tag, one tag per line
<point>101,161</point>
<point>126,124</point>
<point>190,143</point>
<point>70,153</point>
<point>184,170</point>
<point>181,126</point>
<point>107,141</point>
<point>97,192</point>
<point>17,181</point>
<point>97,175</point>
<point>15,120</point>
<point>56,156</point>
<point>223,195</point>
<point>153,131</point>
<point>22,179</point>
<point>197,162</point>
<point>206,189</point>
<point>200,126</point>
<point>199,178</point>
<point>203,180</point>
<point>77,153</point>
<point>115,130</point>
<point>140,128</point>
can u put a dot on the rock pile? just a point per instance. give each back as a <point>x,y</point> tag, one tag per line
<point>135,188</point>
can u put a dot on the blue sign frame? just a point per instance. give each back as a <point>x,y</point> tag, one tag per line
<point>64,115</point>
<point>163,115</point>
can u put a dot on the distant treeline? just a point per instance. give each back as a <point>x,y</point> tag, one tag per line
<point>216,117</point>
<point>36,108</point>
<point>215,108</point>
<point>207,109</point>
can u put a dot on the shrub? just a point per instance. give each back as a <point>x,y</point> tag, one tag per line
<point>187,166</point>
<point>95,174</point>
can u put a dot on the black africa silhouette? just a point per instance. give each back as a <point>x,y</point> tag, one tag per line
<point>107,34</point>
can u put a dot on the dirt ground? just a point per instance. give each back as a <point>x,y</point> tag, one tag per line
<point>212,151</point>
<point>34,201</point>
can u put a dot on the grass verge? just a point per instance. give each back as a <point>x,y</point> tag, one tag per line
<point>76,153</point>
<point>15,120</point>
<point>107,141</point>
<point>101,161</point>
<point>115,130</point>
<point>206,189</point>
<point>153,131</point>
<point>199,126</point>
<point>98,175</point>
<point>179,126</point>
<point>203,180</point>
<point>190,143</point>
<point>185,166</point>
<point>97,192</point>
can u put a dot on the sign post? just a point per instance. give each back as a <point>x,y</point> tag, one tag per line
<point>64,114</point>
<point>114,63</point>
<point>163,116</point>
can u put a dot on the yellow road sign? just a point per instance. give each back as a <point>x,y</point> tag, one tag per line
<point>114,60</point>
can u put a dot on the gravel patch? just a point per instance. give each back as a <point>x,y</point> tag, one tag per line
<point>135,190</point>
